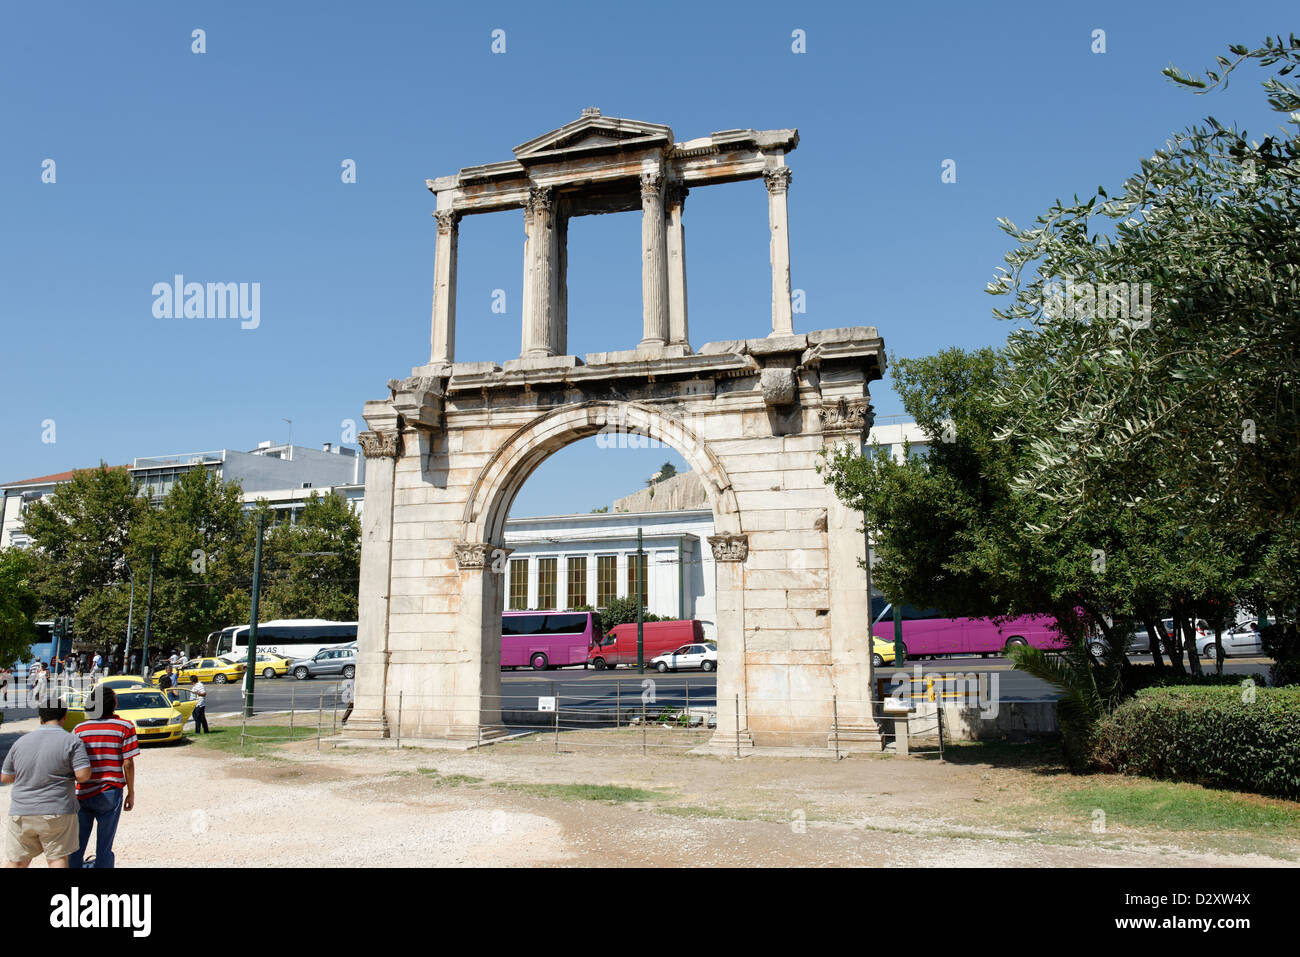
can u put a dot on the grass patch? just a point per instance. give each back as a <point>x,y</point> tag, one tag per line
<point>448,780</point>
<point>257,739</point>
<point>608,793</point>
<point>1183,807</point>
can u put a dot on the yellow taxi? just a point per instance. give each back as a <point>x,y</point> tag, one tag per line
<point>882,652</point>
<point>216,670</point>
<point>157,715</point>
<point>268,665</point>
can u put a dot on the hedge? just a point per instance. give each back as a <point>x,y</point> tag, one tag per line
<point>1208,736</point>
<point>1137,677</point>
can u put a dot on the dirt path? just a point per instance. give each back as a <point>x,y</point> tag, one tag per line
<point>520,804</point>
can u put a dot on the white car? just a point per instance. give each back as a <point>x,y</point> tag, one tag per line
<point>703,656</point>
<point>1240,639</point>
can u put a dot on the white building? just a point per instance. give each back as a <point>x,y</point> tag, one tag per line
<point>567,561</point>
<point>284,475</point>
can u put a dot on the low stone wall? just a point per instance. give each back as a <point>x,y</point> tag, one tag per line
<point>1017,721</point>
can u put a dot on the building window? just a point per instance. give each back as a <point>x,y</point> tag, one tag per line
<point>518,584</point>
<point>633,561</point>
<point>546,583</point>
<point>606,580</point>
<point>577,582</point>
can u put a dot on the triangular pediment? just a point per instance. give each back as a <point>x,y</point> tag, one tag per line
<point>593,132</point>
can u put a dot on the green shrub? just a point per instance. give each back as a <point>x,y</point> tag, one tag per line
<point>1207,735</point>
<point>1137,677</point>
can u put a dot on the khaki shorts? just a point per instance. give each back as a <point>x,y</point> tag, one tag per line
<point>55,835</point>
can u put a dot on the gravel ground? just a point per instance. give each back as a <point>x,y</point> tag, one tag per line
<point>383,807</point>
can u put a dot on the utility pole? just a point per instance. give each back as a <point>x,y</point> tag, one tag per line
<point>640,614</point>
<point>130,610</point>
<point>251,673</point>
<point>148,609</point>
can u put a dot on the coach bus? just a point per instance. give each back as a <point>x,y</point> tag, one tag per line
<point>290,637</point>
<point>928,633</point>
<point>548,639</point>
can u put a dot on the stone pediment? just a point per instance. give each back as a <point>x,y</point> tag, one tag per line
<point>593,132</point>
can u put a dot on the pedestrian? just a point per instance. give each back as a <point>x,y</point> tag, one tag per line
<point>201,708</point>
<point>348,694</point>
<point>111,744</point>
<point>44,766</point>
<point>173,660</point>
<point>39,687</point>
<point>95,664</point>
<point>135,664</point>
<point>5,675</point>
<point>165,680</point>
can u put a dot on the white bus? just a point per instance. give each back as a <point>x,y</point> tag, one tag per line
<point>290,637</point>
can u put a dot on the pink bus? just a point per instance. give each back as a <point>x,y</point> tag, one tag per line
<point>548,639</point>
<point>926,633</point>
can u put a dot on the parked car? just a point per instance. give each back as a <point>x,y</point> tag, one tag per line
<point>331,661</point>
<point>1141,644</point>
<point>618,646</point>
<point>1240,639</point>
<point>702,656</point>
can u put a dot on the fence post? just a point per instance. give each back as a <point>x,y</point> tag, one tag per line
<point>399,718</point>
<point>292,693</point>
<point>243,723</point>
<point>688,701</point>
<point>643,721</point>
<point>556,697</point>
<point>835,710</point>
<point>618,703</point>
<point>320,718</point>
<point>940,714</point>
<point>737,713</point>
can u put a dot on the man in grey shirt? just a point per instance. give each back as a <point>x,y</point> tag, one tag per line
<point>44,766</point>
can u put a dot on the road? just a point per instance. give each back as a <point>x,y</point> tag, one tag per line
<point>587,689</point>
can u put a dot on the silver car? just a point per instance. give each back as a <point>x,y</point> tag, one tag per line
<point>330,661</point>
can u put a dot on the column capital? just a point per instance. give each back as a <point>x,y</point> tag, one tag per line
<point>539,198</point>
<point>675,194</point>
<point>381,445</point>
<point>481,555</point>
<point>729,547</point>
<point>447,220</point>
<point>777,179</point>
<point>847,416</point>
<point>652,184</point>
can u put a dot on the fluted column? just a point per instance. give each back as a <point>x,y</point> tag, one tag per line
<point>541,336</point>
<point>675,244</point>
<point>443,336</point>
<point>654,262</point>
<point>778,183</point>
<point>382,448</point>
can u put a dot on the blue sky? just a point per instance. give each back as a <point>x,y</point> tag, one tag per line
<point>225,166</point>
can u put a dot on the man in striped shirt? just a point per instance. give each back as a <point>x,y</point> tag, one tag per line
<point>110,741</point>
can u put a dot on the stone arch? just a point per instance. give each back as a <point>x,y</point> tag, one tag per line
<point>500,480</point>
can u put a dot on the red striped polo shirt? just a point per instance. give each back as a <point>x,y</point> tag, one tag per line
<point>109,742</point>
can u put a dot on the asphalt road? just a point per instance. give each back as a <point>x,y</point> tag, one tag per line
<point>588,689</point>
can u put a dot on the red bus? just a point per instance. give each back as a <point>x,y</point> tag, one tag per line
<point>548,639</point>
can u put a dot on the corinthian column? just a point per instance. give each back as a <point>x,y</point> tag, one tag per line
<point>778,183</point>
<point>444,288</point>
<point>541,336</point>
<point>675,244</point>
<point>654,262</point>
